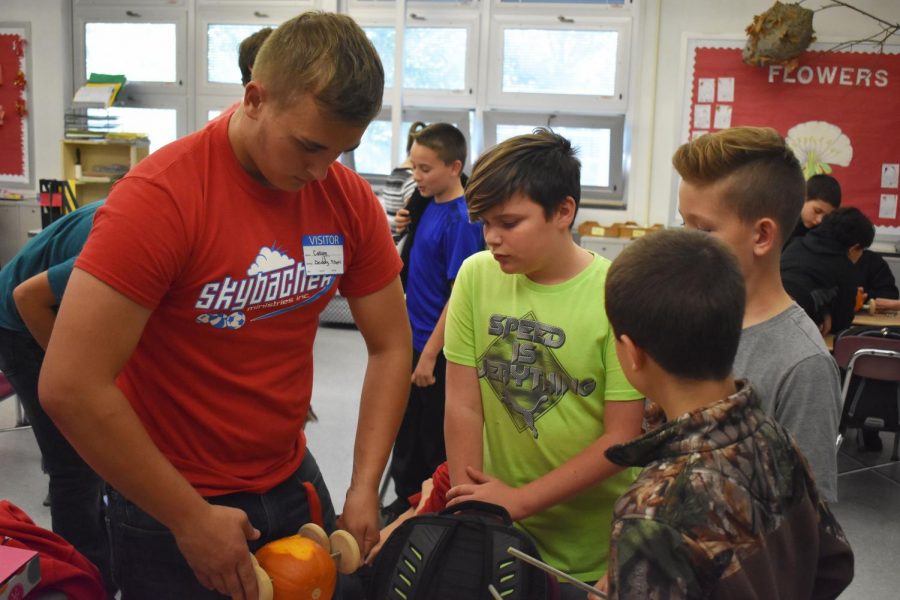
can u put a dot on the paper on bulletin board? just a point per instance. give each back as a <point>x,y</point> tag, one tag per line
<point>15,129</point>
<point>840,112</point>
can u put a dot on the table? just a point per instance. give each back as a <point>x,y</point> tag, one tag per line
<point>879,319</point>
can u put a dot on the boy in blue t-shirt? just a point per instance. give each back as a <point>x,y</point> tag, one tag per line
<point>444,238</point>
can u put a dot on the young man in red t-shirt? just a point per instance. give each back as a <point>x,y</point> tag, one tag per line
<point>181,363</point>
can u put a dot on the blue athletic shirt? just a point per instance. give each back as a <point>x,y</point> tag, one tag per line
<point>444,239</point>
<point>53,250</point>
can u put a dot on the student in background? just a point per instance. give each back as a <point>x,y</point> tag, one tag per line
<point>823,195</point>
<point>31,288</point>
<point>248,50</point>
<point>817,269</point>
<point>745,186</point>
<point>197,299</point>
<point>444,237</point>
<point>400,185</point>
<point>725,496</point>
<point>874,276</point>
<point>535,392</point>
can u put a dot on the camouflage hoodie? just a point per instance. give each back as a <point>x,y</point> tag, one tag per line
<point>724,508</point>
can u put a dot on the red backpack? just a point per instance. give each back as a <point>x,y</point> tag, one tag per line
<point>63,569</point>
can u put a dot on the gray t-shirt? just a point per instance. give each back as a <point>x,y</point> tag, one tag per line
<point>798,383</point>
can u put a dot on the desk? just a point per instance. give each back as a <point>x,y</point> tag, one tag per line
<point>880,319</point>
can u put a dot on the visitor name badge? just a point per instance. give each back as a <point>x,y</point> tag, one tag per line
<point>324,254</point>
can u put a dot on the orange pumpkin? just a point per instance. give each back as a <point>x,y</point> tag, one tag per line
<point>300,569</point>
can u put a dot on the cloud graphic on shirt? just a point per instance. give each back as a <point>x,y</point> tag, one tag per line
<point>269,259</point>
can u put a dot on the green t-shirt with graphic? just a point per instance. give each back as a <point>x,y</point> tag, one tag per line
<point>546,362</point>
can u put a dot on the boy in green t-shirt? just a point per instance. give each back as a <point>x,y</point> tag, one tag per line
<point>534,392</point>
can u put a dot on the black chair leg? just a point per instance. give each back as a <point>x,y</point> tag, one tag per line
<point>894,455</point>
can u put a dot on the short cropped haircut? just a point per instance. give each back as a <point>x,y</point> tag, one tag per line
<point>329,56</point>
<point>541,165</point>
<point>825,188</point>
<point>248,50</point>
<point>679,295</point>
<point>849,226</point>
<point>447,141</point>
<point>763,177</point>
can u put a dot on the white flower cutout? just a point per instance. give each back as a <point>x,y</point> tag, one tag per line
<point>818,145</point>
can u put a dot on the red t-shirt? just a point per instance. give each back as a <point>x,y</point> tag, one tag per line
<point>222,375</point>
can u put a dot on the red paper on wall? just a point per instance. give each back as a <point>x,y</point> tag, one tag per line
<point>840,112</point>
<point>12,131</point>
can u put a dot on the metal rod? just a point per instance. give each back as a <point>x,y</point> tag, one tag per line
<point>554,571</point>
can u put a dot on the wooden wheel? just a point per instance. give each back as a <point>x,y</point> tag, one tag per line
<point>345,551</point>
<point>313,532</point>
<point>263,581</point>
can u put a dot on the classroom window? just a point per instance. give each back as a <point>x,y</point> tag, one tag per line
<point>159,124</point>
<point>222,45</point>
<point>373,157</point>
<point>435,58</point>
<point>598,142</point>
<point>584,61</point>
<point>514,2</point>
<point>576,64</point>
<point>592,145</point>
<point>384,38</point>
<point>140,51</point>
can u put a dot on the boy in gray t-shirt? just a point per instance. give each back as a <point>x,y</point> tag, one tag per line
<point>745,186</point>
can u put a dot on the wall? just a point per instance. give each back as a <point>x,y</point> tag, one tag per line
<point>51,75</point>
<point>657,83</point>
<point>660,76</point>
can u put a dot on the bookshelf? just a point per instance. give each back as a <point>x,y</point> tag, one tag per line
<point>103,161</point>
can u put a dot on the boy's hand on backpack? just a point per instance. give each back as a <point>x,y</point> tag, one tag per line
<point>602,587</point>
<point>488,489</point>
<point>360,518</point>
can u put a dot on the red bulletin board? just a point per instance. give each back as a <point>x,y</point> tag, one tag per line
<point>840,112</point>
<point>15,156</point>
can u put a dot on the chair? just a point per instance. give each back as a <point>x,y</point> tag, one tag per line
<point>871,355</point>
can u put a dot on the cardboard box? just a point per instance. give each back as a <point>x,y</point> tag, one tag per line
<point>20,572</point>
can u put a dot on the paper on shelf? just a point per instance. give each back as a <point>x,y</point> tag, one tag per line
<point>96,94</point>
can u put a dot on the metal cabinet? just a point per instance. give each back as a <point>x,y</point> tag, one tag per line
<point>16,219</point>
<point>606,247</point>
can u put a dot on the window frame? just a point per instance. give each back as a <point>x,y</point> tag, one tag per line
<point>428,115</point>
<point>444,18</point>
<point>497,99</point>
<point>265,16</point>
<point>611,196</point>
<point>176,15</point>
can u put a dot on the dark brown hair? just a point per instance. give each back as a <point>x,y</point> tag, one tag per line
<point>541,165</point>
<point>679,295</point>
<point>447,141</point>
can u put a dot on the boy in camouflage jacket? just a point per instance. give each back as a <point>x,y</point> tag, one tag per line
<point>725,506</point>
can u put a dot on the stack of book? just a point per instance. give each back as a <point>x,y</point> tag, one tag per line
<point>81,126</point>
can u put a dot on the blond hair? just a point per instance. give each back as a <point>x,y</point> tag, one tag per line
<point>329,56</point>
<point>761,175</point>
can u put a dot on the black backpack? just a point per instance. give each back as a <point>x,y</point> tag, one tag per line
<point>456,554</point>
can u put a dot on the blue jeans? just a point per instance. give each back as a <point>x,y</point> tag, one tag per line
<point>76,506</point>
<point>146,560</point>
